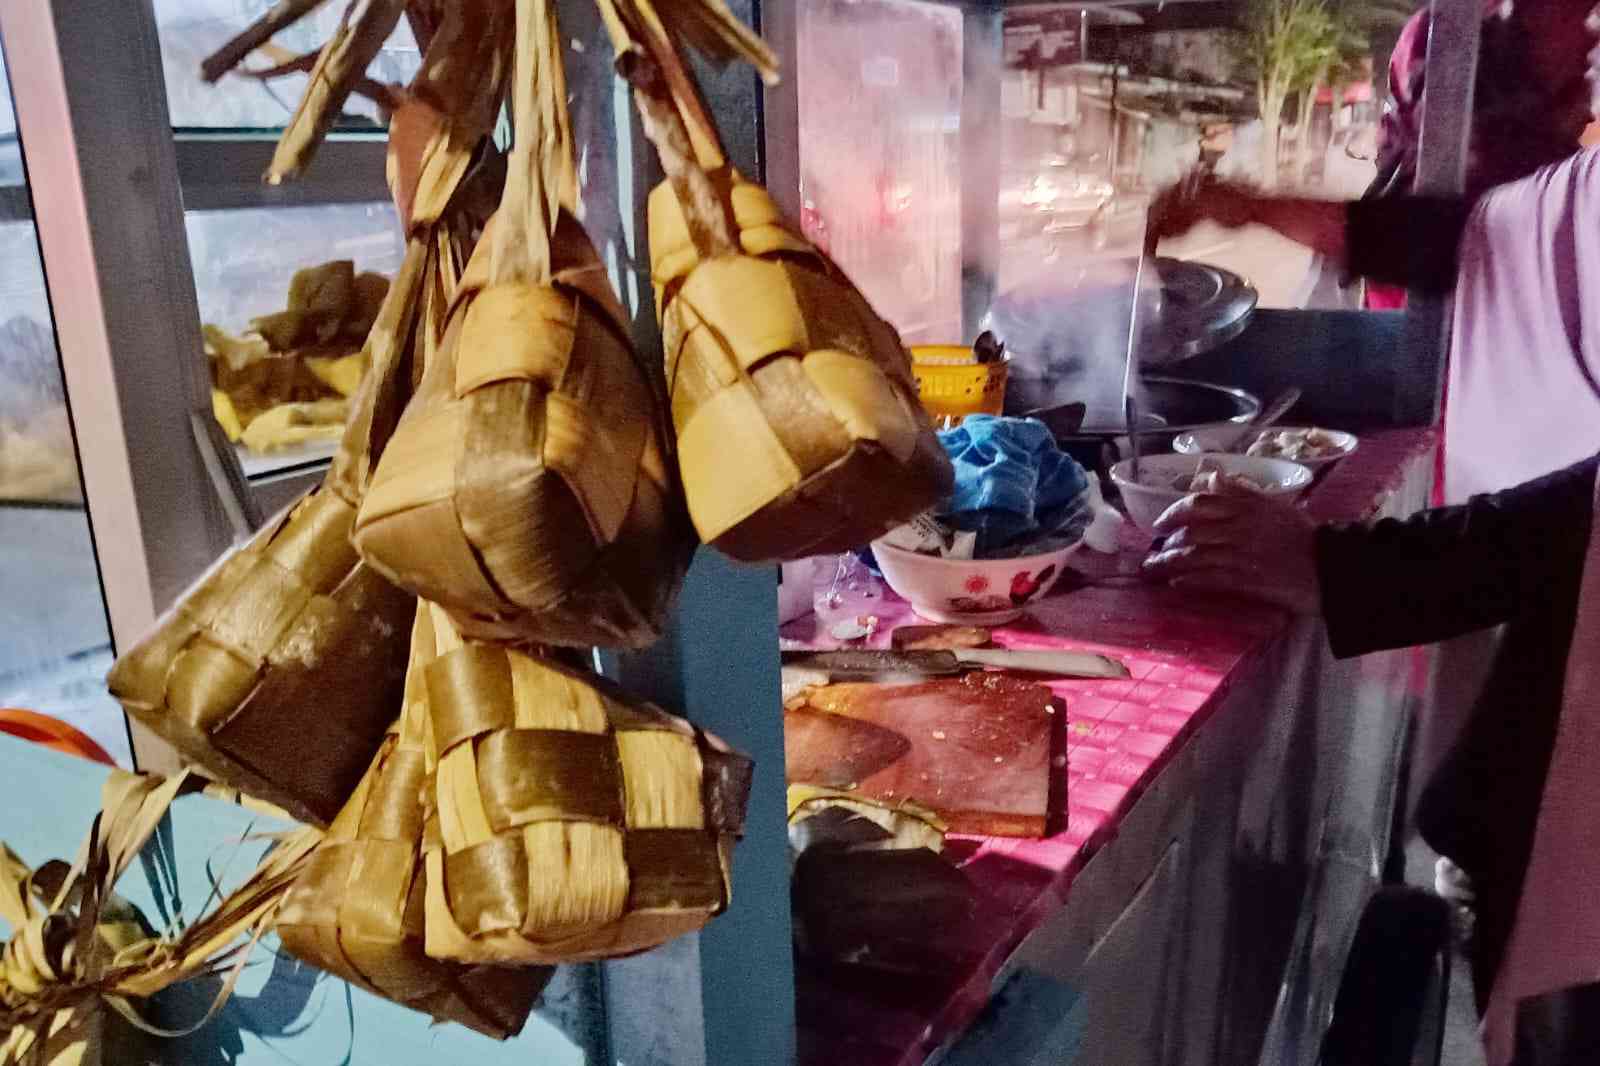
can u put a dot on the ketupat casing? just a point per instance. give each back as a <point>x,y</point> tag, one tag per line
<point>527,488</point>
<point>288,639</point>
<point>798,428</point>
<point>291,636</point>
<point>571,821</point>
<point>357,910</point>
<point>776,350</point>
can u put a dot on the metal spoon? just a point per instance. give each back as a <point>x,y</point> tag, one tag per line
<point>1269,416</point>
<point>1130,408</point>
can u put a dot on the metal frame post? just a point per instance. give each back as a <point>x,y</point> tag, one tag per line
<point>1453,38</point>
<point>726,995</point>
<point>92,115</point>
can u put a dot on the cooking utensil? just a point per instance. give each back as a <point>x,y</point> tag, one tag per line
<point>1047,325</point>
<point>1269,415</point>
<point>1130,408</point>
<point>872,665</point>
<point>988,348</point>
<point>1169,406</point>
<point>1063,420</point>
<point>1202,308</point>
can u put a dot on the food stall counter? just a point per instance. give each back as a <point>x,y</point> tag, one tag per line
<point>1204,780</point>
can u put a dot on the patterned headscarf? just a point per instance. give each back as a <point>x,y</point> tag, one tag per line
<point>1507,142</point>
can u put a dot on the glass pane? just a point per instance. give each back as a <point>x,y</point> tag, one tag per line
<point>55,647</point>
<point>1103,109</point>
<point>190,30</point>
<point>880,129</point>
<point>243,262</point>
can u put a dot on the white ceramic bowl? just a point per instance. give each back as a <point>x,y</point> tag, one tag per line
<point>1214,438</point>
<point>1160,475</point>
<point>981,592</point>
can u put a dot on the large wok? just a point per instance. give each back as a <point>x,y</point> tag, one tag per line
<point>1168,407</point>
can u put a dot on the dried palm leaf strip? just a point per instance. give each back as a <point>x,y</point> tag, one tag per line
<point>528,488</point>
<point>451,106</point>
<point>362,31</point>
<point>284,62</point>
<point>357,909</point>
<point>771,354</point>
<point>280,16</point>
<point>571,820</point>
<point>77,949</point>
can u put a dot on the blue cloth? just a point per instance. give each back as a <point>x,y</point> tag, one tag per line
<point>1014,487</point>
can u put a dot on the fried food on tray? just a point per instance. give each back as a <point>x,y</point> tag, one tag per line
<point>285,382</point>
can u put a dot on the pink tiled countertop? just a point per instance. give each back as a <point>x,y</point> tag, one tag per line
<point>1183,652</point>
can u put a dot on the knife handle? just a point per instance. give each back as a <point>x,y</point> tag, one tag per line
<point>1055,663</point>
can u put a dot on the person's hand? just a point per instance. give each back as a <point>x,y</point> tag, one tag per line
<point>1245,545</point>
<point>1198,198</point>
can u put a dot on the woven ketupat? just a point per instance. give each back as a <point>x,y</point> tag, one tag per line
<point>357,909</point>
<point>291,636</point>
<point>528,488</point>
<point>572,821</point>
<point>775,350</point>
<point>798,427</point>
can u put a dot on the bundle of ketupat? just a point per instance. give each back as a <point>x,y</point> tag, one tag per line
<point>291,635</point>
<point>357,909</point>
<point>571,821</point>
<point>771,353</point>
<point>528,489</point>
<point>77,949</point>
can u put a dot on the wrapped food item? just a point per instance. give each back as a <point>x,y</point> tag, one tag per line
<point>571,821</point>
<point>356,910</point>
<point>528,488</point>
<point>799,430</point>
<point>291,635</point>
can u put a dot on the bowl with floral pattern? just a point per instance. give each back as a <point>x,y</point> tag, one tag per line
<point>982,592</point>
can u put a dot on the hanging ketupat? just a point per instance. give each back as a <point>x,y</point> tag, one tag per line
<point>528,488</point>
<point>357,908</point>
<point>570,821</point>
<point>799,430</point>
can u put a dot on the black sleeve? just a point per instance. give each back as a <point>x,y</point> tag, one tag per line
<point>1453,570</point>
<point>1406,240</point>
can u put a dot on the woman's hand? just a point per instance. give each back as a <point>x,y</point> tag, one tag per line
<point>1245,545</point>
<point>1197,198</point>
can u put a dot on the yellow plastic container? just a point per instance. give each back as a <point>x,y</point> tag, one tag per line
<point>952,384</point>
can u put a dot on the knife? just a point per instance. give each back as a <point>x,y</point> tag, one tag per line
<point>860,664</point>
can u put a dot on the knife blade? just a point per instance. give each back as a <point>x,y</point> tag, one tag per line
<point>862,664</point>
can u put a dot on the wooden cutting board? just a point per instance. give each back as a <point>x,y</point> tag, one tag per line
<point>986,751</point>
